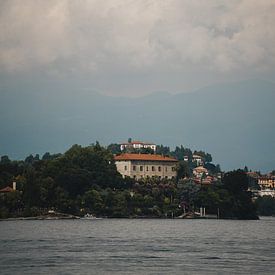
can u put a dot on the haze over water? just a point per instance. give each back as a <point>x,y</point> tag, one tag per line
<point>125,246</point>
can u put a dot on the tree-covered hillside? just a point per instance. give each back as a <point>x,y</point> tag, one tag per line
<point>85,180</point>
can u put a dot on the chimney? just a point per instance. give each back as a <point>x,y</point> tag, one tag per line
<point>14,185</point>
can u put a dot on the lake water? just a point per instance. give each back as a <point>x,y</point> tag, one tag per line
<point>137,246</point>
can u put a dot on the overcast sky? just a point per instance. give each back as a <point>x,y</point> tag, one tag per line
<point>135,47</point>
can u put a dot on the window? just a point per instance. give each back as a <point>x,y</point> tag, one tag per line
<point>141,168</point>
<point>159,168</point>
<point>153,168</point>
<point>173,169</point>
<point>134,168</point>
<point>147,168</point>
<point>165,169</point>
<point>125,168</point>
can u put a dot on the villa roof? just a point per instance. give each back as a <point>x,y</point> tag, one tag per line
<point>145,157</point>
<point>200,169</point>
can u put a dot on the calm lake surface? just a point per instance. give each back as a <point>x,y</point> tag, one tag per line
<point>142,246</point>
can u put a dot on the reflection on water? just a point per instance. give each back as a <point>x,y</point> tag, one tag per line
<point>124,246</point>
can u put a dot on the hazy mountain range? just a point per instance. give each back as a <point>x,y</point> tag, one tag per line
<point>235,122</point>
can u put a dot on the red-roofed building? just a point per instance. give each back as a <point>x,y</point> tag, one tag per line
<point>6,189</point>
<point>140,166</point>
<point>200,171</point>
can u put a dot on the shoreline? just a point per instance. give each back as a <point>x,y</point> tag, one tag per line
<point>72,217</point>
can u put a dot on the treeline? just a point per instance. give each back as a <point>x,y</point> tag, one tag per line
<point>85,180</point>
<point>266,206</point>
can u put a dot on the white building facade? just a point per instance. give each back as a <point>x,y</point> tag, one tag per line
<point>138,145</point>
<point>198,159</point>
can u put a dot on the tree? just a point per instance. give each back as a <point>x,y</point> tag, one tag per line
<point>31,189</point>
<point>5,160</point>
<point>189,193</point>
<point>180,152</point>
<point>120,205</point>
<point>145,151</point>
<point>9,170</point>
<point>93,201</point>
<point>75,181</point>
<point>266,206</point>
<point>183,170</point>
<point>241,204</point>
<point>212,168</point>
<point>162,150</point>
<point>29,159</point>
<point>48,192</point>
<point>209,197</point>
<point>46,156</point>
<point>96,162</point>
<point>114,148</point>
<point>235,181</point>
<point>10,203</point>
<point>208,158</point>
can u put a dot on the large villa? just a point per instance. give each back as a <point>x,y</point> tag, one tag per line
<point>140,166</point>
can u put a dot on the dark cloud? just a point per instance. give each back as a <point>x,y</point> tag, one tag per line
<point>156,39</point>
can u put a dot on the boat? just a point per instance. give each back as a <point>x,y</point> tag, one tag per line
<point>89,216</point>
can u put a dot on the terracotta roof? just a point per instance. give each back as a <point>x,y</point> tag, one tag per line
<point>200,168</point>
<point>205,181</point>
<point>148,157</point>
<point>6,189</point>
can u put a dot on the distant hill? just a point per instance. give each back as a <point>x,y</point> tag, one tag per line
<point>235,122</point>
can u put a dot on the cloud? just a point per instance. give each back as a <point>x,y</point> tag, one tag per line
<point>98,37</point>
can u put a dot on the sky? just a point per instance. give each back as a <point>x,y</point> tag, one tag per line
<point>133,48</point>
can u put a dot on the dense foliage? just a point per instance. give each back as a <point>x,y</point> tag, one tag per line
<point>266,206</point>
<point>85,180</point>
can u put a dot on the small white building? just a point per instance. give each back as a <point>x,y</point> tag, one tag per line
<point>198,159</point>
<point>138,145</point>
